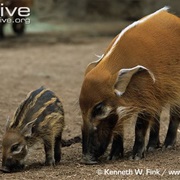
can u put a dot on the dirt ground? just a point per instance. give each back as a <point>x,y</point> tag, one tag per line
<point>27,64</point>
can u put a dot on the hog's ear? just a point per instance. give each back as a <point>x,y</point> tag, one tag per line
<point>93,64</point>
<point>27,130</point>
<point>7,123</point>
<point>125,75</point>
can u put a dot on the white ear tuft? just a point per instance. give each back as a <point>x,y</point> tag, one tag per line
<point>136,69</point>
<point>94,63</point>
<point>99,57</point>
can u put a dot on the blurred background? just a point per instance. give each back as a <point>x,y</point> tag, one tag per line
<point>99,9</point>
<point>66,18</point>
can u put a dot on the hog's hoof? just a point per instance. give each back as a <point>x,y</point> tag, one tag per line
<point>137,156</point>
<point>151,149</point>
<point>88,160</point>
<point>50,163</point>
<point>169,147</point>
<point>114,158</point>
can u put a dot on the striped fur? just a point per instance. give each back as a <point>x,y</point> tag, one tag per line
<point>40,104</point>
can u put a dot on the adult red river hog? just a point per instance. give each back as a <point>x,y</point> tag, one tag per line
<point>138,74</point>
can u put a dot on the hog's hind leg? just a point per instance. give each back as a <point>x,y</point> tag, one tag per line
<point>173,126</point>
<point>57,148</point>
<point>141,127</point>
<point>154,141</point>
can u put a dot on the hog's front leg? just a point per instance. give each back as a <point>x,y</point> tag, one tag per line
<point>117,149</point>
<point>154,141</point>
<point>173,127</point>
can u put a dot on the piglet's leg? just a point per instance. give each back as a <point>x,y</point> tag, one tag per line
<point>57,148</point>
<point>49,151</point>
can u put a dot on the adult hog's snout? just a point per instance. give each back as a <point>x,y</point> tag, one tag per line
<point>90,145</point>
<point>95,139</point>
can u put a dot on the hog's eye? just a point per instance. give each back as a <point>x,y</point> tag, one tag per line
<point>98,109</point>
<point>15,147</point>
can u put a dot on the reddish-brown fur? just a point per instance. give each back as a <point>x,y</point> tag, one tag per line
<point>162,59</point>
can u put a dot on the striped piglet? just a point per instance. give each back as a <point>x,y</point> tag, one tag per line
<point>39,117</point>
